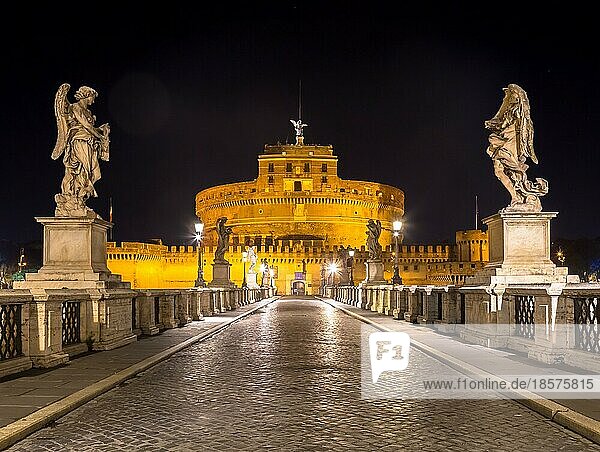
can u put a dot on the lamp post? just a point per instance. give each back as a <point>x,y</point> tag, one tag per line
<point>560,255</point>
<point>271,274</point>
<point>199,228</point>
<point>397,226</point>
<point>351,252</point>
<point>244,257</point>
<point>332,269</point>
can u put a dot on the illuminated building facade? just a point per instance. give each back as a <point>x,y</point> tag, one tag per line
<point>297,214</point>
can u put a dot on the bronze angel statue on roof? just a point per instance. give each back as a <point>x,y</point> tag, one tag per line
<point>511,143</point>
<point>81,144</point>
<point>298,126</point>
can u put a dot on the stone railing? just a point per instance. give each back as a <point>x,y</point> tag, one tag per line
<point>44,330</point>
<point>552,323</point>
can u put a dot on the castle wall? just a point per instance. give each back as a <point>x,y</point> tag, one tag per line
<point>160,266</point>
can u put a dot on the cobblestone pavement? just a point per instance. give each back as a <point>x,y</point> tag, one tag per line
<point>287,378</point>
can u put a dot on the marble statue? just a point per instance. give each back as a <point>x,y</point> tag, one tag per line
<point>373,245</point>
<point>81,144</point>
<point>252,257</point>
<point>511,143</point>
<point>223,233</point>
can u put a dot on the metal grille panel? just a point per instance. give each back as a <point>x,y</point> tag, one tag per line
<point>587,330</point>
<point>70,323</point>
<point>10,331</point>
<point>524,312</point>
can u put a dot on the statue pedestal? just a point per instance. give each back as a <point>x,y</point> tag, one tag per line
<point>221,275</point>
<point>74,256</point>
<point>519,247</point>
<point>251,281</point>
<point>374,273</point>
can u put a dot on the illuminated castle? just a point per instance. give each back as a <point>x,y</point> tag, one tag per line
<point>297,213</point>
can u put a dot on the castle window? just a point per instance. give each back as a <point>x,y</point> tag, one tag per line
<point>288,167</point>
<point>406,268</point>
<point>307,167</point>
<point>324,179</point>
<point>271,180</point>
<point>324,167</point>
<point>271,168</point>
<point>297,185</point>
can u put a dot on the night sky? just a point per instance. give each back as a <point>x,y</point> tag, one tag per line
<point>193,97</point>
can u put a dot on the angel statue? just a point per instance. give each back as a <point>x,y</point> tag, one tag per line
<point>81,144</point>
<point>298,125</point>
<point>373,245</point>
<point>223,244</point>
<point>252,257</point>
<point>511,143</point>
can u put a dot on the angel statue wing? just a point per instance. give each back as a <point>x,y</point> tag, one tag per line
<point>61,107</point>
<point>524,123</point>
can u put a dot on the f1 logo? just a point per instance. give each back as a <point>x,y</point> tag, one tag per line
<point>388,351</point>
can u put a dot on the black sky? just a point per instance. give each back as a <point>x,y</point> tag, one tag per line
<point>192,97</point>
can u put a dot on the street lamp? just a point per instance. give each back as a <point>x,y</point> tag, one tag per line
<point>351,252</point>
<point>244,257</point>
<point>199,228</point>
<point>560,255</point>
<point>332,269</point>
<point>397,226</point>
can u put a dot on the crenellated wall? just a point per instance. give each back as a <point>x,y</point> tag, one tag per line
<point>159,266</point>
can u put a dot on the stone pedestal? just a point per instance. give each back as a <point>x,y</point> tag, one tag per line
<point>374,273</point>
<point>519,247</point>
<point>251,281</point>
<point>74,256</point>
<point>221,275</point>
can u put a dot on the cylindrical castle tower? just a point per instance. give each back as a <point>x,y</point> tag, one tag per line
<point>298,196</point>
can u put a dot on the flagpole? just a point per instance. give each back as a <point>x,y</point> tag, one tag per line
<point>110,217</point>
<point>476,214</point>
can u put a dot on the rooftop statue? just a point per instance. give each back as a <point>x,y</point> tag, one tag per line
<point>81,144</point>
<point>511,143</point>
<point>298,125</point>
<point>373,245</point>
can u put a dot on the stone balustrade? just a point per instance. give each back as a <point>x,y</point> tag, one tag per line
<point>553,323</point>
<point>44,328</point>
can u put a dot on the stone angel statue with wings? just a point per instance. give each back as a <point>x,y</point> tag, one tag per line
<point>81,144</point>
<point>373,245</point>
<point>511,144</point>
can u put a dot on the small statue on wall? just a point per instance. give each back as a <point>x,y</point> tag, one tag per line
<point>223,233</point>
<point>252,258</point>
<point>373,245</point>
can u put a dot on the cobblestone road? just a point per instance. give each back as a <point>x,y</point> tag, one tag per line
<point>287,378</point>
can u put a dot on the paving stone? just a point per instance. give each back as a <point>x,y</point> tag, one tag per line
<point>289,379</point>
